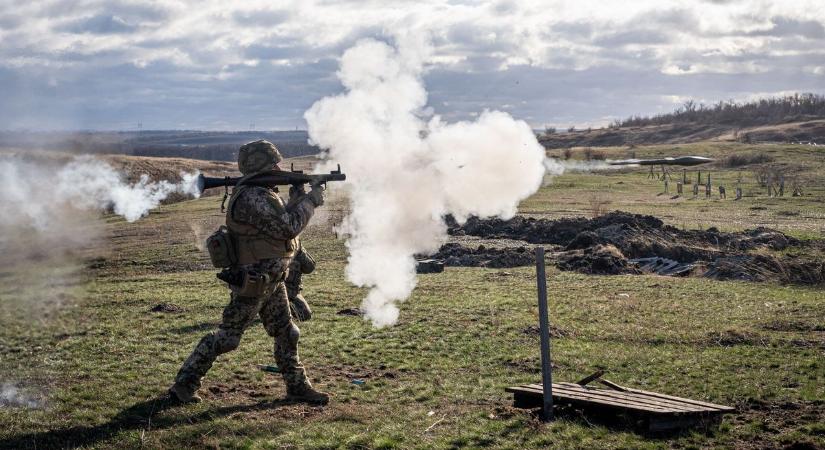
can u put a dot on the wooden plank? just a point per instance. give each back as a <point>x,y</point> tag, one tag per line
<point>668,407</point>
<point>669,404</point>
<point>583,402</point>
<point>664,397</point>
<point>612,385</point>
<point>593,376</point>
<point>722,408</point>
<point>596,400</point>
<point>659,402</point>
<point>645,398</point>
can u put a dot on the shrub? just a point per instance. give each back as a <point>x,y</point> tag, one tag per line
<point>591,155</point>
<point>739,160</point>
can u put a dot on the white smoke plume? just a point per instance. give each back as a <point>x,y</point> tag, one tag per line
<point>557,166</point>
<point>406,171</point>
<point>48,223</point>
<point>11,396</point>
<point>38,196</point>
<point>48,226</point>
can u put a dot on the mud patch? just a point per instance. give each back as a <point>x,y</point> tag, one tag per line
<point>605,244</point>
<point>351,312</point>
<point>596,260</point>
<point>457,255</point>
<point>170,308</point>
<point>729,338</point>
<point>788,423</point>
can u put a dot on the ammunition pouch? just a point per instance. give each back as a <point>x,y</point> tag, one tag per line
<point>250,283</point>
<point>254,248</point>
<point>222,248</point>
<point>255,284</point>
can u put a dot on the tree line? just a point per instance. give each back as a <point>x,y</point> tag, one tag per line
<point>766,111</point>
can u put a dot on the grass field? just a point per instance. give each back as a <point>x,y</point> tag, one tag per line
<point>98,367</point>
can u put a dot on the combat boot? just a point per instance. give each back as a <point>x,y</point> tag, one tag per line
<point>182,394</point>
<point>307,394</point>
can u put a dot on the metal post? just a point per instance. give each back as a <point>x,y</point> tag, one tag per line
<point>544,325</point>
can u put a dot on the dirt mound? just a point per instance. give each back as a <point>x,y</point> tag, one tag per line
<point>604,244</point>
<point>637,236</point>
<point>766,268</point>
<point>458,255</point>
<point>596,260</point>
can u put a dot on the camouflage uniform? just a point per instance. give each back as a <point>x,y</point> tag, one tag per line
<point>301,264</point>
<point>263,210</point>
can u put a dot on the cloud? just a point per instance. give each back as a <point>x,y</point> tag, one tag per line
<point>99,24</point>
<point>210,63</point>
<point>784,26</point>
<point>260,17</point>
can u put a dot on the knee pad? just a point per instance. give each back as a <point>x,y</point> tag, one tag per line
<point>287,339</point>
<point>293,334</point>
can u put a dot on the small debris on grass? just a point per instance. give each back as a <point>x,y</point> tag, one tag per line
<point>271,368</point>
<point>358,382</point>
<point>429,266</point>
<point>351,312</point>
<point>167,308</point>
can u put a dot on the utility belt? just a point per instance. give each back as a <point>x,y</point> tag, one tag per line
<point>250,282</point>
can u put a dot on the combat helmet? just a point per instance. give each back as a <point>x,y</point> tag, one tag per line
<point>258,156</point>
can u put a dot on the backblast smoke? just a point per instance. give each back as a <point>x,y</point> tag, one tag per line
<point>407,171</point>
<point>37,195</point>
<point>48,227</point>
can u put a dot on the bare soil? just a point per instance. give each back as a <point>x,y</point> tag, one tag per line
<point>603,245</point>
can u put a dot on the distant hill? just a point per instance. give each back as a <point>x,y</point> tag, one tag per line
<point>793,118</point>
<point>796,132</point>
<point>204,145</point>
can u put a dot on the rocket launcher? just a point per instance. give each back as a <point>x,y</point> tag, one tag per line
<point>272,178</point>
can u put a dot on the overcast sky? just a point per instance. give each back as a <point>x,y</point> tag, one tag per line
<point>225,65</point>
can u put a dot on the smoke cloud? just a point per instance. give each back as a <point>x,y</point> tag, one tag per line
<point>13,397</point>
<point>49,226</point>
<point>407,169</point>
<point>48,222</point>
<point>38,196</point>
<point>557,166</point>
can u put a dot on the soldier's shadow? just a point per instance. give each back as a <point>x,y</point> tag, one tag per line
<point>141,415</point>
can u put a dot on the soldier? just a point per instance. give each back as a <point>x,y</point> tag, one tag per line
<point>266,234</point>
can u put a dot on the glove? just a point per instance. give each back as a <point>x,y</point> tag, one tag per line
<point>296,190</point>
<point>316,195</point>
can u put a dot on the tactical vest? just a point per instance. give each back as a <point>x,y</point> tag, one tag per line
<point>251,245</point>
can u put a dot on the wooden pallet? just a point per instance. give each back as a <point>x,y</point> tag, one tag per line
<point>652,411</point>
